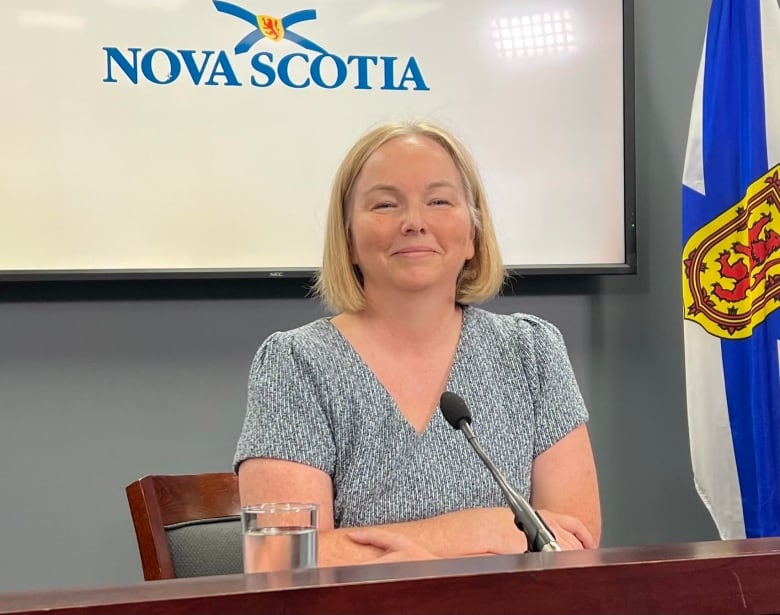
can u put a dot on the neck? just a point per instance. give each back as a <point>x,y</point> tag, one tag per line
<point>416,322</point>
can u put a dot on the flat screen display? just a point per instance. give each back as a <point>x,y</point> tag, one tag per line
<point>173,137</point>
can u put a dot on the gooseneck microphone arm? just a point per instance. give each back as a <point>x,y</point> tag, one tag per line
<point>538,535</point>
<point>540,538</point>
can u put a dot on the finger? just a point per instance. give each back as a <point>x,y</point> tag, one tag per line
<point>573,527</point>
<point>383,539</point>
<point>568,541</point>
<point>577,530</point>
<point>584,537</point>
<point>395,547</point>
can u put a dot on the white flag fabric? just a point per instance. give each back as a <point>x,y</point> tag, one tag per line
<point>731,269</point>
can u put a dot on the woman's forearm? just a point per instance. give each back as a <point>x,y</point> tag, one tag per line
<point>477,531</point>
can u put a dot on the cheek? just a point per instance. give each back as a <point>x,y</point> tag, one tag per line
<point>465,233</point>
<point>363,240</point>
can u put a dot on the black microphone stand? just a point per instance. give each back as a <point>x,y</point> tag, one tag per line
<point>538,535</point>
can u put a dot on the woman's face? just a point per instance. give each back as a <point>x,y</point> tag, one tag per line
<point>410,225</point>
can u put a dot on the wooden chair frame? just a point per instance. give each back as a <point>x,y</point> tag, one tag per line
<point>158,501</point>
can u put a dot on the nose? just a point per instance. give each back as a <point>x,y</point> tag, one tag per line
<point>413,220</point>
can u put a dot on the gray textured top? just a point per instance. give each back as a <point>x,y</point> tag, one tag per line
<point>313,400</point>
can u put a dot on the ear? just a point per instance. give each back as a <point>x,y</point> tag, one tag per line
<point>472,247</point>
<point>352,257</point>
<point>348,234</point>
<point>358,274</point>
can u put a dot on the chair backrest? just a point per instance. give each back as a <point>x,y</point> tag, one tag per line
<point>187,525</point>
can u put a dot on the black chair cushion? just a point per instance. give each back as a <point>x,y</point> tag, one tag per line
<point>206,547</point>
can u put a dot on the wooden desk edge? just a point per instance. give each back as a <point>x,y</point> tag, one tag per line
<point>604,580</point>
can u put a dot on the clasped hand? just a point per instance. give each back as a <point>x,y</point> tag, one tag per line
<point>478,531</point>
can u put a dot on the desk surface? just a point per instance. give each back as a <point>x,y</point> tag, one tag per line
<point>704,577</point>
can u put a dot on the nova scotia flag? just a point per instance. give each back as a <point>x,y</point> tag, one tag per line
<point>731,269</point>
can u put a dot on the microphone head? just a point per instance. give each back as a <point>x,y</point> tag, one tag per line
<point>454,409</point>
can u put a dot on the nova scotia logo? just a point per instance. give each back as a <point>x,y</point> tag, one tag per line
<point>314,66</point>
<point>270,27</point>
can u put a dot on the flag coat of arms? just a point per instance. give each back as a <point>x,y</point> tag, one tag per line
<point>731,269</point>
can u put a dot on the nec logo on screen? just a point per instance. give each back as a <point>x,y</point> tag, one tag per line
<point>312,66</point>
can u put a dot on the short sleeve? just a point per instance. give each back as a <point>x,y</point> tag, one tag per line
<point>285,417</point>
<point>558,403</point>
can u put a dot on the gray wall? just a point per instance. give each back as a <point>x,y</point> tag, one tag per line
<point>97,392</point>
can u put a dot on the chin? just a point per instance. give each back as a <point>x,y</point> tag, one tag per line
<point>422,282</point>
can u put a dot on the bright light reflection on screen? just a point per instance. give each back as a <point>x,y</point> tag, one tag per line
<point>548,33</point>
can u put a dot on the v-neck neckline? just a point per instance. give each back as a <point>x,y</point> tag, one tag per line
<point>400,416</point>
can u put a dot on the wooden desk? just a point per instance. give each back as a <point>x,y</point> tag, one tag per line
<point>741,576</point>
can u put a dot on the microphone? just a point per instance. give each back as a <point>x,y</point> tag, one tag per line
<point>539,536</point>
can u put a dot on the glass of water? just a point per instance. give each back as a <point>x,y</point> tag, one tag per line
<point>279,536</point>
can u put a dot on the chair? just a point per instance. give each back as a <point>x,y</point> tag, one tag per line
<point>187,525</point>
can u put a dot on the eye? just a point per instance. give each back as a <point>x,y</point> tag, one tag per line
<point>383,205</point>
<point>440,202</point>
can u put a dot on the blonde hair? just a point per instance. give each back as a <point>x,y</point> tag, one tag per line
<point>339,284</point>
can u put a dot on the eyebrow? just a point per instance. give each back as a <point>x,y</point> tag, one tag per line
<point>395,189</point>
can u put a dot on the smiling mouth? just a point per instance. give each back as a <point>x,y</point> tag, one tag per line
<point>415,252</point>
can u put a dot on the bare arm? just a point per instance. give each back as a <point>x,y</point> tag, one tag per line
<point>466,532</point>
<point>565,490</point>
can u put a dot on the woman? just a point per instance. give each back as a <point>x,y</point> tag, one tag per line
<point>343,411</point>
